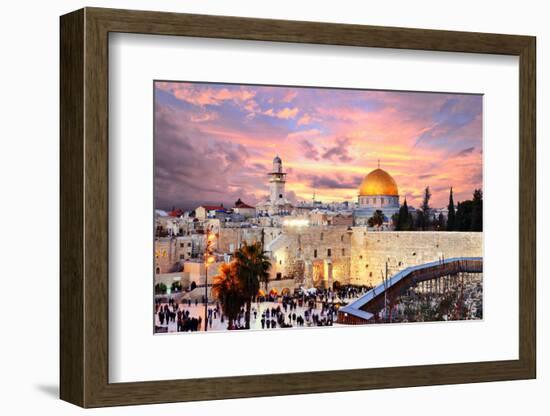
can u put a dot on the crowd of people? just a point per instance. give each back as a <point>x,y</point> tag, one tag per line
<point>458,299</point>
<point>172,312</point>
<point>304,308</point>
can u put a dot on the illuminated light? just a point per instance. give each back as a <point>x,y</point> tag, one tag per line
<point>211,260</point>
<point>296,223</point>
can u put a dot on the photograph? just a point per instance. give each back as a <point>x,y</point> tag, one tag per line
<point>305,207</point>
<point>256,206</point>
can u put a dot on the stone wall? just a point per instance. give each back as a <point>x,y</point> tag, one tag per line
<point>321,255</point>
<point>371,250</point>
<point>313,255</point>
<point>231,238</point>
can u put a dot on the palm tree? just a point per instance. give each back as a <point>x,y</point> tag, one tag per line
<point>252,267</point>
<point>227,290</point>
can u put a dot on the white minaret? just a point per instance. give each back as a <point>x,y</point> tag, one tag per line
<point>277,180</point>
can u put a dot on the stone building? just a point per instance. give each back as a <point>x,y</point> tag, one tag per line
<point>171,252</point>
<point>311,255</point>
<point>210,211</point>
<point>231,239</point>
<point>245,210</point>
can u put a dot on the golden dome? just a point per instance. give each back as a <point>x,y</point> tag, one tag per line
<point>378,182</point>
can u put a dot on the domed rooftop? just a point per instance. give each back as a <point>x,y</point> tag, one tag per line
<point>277,159</point>
<point>378,182</point>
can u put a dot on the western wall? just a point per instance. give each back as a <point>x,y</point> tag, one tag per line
<point>402,249</point>
<point>321,255</point>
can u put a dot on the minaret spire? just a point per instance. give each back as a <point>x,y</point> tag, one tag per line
<point>378,163</point>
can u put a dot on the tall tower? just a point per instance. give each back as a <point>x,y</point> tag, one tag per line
<point>277,180</point>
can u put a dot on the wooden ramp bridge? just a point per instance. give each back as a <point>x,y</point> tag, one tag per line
<point>364,309</point>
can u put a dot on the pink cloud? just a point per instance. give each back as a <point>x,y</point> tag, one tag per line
<point>203,117</point>
<point>387,128</point>
<point>286,113</point>
<point>304,120</point>
<point>289,96</point>
<point>304,134</point>
<point>206,96</point>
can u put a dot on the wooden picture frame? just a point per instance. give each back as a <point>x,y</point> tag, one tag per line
<point>84,207</point>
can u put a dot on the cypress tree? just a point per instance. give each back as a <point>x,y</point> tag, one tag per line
<point>451,217</point>
<point>403,218</point>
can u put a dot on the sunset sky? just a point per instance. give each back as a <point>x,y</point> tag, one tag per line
<point>215,143</point>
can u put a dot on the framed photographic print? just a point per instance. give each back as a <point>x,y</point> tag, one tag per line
<point>328,207</point>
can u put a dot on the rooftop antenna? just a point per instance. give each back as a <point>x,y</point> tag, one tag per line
<point>378,163</point>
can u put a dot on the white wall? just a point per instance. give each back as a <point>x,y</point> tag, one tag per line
<point>29,165</point>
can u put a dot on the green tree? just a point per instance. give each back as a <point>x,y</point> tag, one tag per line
<point>423,221</point>
<point>252,268</point>
<point>440,222</point>
<point>377,219</point>
<point>176,287</point>
<point>477,211</point>
<point>226,288</point>
<point>404,219</point>
<point>464,215</point>
<point>395,221</point>
<point>160,289</point>
<point>411,224</point>
<point>451,216</point>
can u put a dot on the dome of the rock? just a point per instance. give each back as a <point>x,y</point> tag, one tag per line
<point>378,182</point>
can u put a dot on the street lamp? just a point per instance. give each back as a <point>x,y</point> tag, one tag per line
<point>208,258</point>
